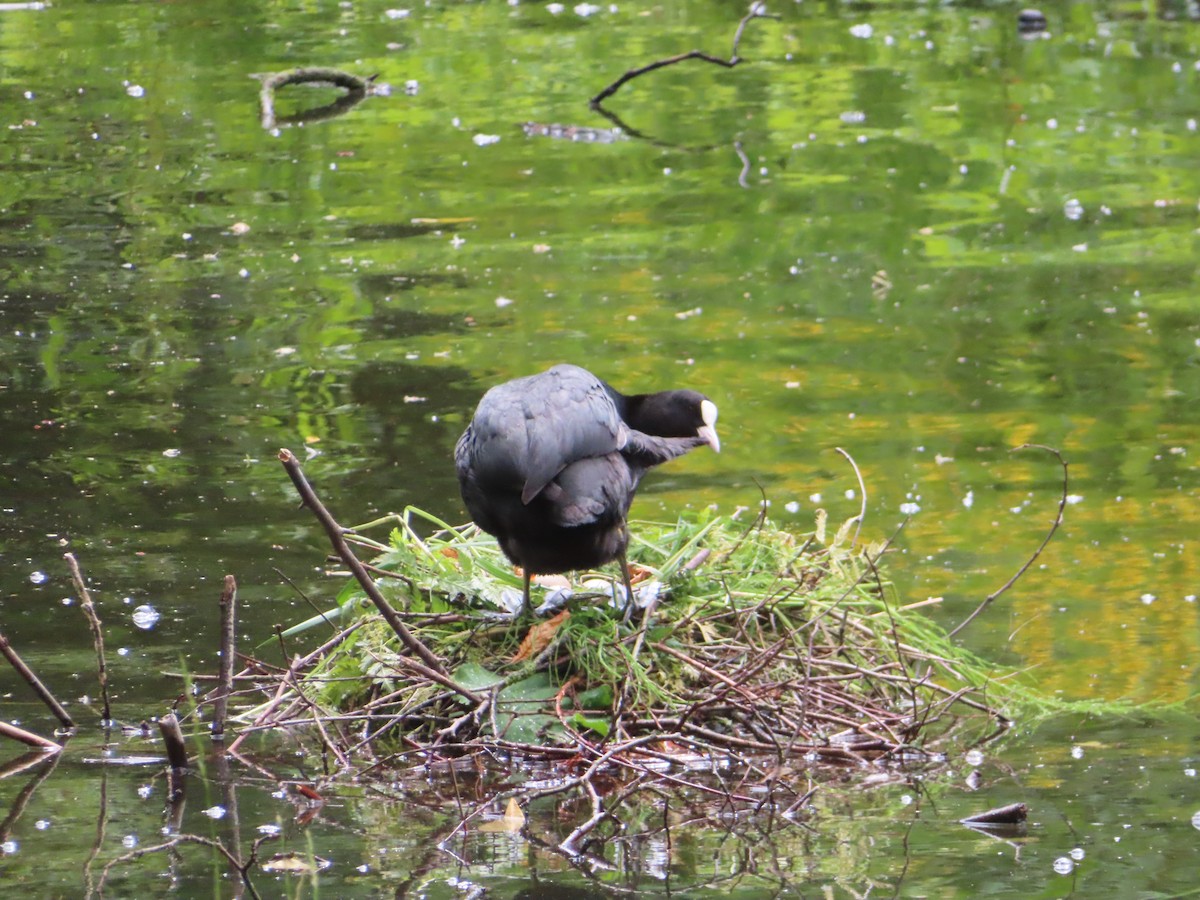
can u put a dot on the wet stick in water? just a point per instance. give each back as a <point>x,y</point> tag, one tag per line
<point>89,610</point>
<point>228,605</point>
<point>35,683</point>
<point>27,737</point>
<point>172,737</point>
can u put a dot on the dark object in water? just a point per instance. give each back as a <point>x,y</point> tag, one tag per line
<point>550,464</point>
<point>1013,814</point>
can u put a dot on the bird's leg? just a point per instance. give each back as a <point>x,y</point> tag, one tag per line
<point>526,606</point>
<point>628,611</point>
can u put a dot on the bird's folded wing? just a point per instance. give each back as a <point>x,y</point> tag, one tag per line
<point>575,421</point>
<point>590,491</point>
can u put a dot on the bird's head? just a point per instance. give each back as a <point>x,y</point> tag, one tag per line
<point>674,414</point>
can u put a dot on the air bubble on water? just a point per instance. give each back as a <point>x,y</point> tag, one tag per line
<point>135,90</point>
<point>146,617</point>
<point>969,499</point>
<point>1073,209</point>
<point>1064,865</point>
<point>910,509</point>
<point>864,30</point>
<point>792,506</point>
<point>485,140</point>
<point>38,577</point>
<point>214,812</point>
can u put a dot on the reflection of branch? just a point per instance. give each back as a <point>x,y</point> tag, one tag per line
<point>642,136</point>
<point>356,89</point>
<point>242,868</point>
<point>1058,519</point>
<point>737,147</point>
<point>17,809</point>
<point>757,11</point>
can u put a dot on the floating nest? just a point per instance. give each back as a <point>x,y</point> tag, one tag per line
<point>744,641</point>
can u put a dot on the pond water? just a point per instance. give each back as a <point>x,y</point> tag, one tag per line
<point>904,230</point>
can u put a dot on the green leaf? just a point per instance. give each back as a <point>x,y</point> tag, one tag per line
<point>588,723</point>
<point>600,697</point>
<point>475,677</point>
<point>529,690</point>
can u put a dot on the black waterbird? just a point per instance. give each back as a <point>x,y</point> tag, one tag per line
<point>550,464</point>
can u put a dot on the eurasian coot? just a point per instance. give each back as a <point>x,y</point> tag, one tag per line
<point>550,464</point>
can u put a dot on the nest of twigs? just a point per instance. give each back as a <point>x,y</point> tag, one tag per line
<point>745,640</point>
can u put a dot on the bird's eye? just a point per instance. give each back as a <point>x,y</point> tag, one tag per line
<point>708,412</point>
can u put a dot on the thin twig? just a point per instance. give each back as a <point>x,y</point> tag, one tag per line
<point>757,11</point>
<point>336,535</point>
<point>1058,520</point>
<point>862,489</point>
<point>89,610</point>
